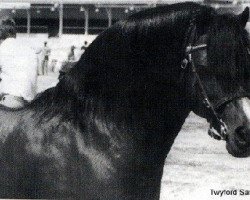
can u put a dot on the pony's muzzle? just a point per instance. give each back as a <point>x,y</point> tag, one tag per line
<point>239,144</point>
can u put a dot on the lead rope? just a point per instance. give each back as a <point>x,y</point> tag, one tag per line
<point>216,123</point>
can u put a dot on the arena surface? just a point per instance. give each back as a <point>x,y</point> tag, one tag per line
<point>198,164</point>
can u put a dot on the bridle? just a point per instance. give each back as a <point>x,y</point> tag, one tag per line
<point>216,123</point>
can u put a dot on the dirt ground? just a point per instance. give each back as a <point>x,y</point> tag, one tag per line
<point>196,163</point>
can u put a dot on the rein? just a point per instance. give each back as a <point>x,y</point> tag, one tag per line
<point>213,118</point>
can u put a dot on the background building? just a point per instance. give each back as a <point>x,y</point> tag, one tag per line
<point>72,16</point>
<point>87,16</point>
<point>64,23</point>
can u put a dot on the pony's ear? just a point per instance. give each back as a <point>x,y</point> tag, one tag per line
<point>244,16</point>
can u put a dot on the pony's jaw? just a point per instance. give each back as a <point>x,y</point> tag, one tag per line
<point>237,149</point>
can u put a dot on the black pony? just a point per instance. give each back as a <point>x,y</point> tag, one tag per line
<point>105,130</point>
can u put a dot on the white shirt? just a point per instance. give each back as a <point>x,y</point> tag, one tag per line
<point>19,69</point>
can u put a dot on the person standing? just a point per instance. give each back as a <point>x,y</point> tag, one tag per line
<point>46,53</point>
<point>18,63</point>
<point>71,55</point>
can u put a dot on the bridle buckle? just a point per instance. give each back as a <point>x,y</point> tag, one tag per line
<point>219,131</point>
<point>184,63</point>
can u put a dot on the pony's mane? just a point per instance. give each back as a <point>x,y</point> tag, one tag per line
<point>123,59</point>
<point>123,68</point>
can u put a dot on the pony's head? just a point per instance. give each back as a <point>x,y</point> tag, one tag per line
<point>224,71</point>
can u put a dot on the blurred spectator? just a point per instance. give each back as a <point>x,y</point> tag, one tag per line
<point>53,64</point>
<point>79,51</point>
<point>85,46</point>
<point>71,56</point>
<point>43,68</point>
<point>66,67</point>
<point>46,54</point>
<point>19,70</point>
